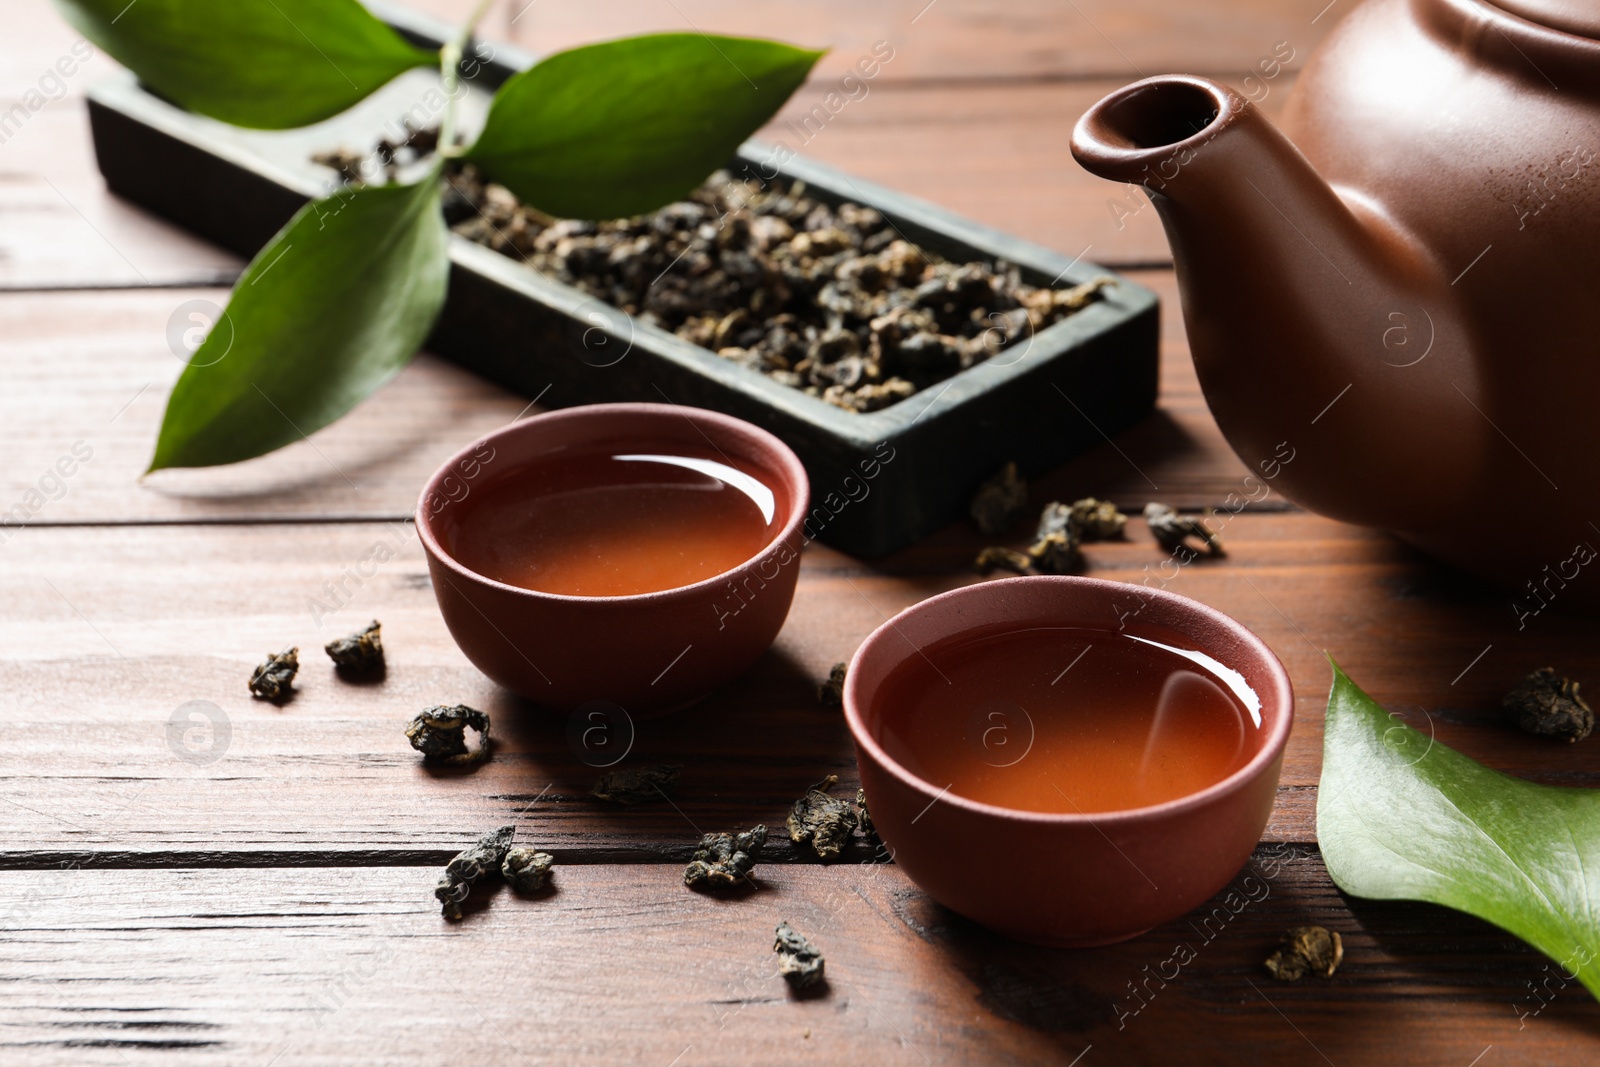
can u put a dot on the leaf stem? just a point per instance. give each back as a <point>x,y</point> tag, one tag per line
<point>450,75</point>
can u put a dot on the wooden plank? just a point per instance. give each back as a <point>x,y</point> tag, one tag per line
<point>1002,155</point>
<point>624,965</point>
<point>948,40</point>
<point>96,368</point>
<point>999,135</point>
<point>111,630</point>
<point>63,229</point>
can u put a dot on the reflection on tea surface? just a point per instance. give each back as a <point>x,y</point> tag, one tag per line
<point>606,523</point>
<point>1067,720</point>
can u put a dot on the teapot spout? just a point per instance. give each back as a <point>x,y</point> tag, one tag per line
<point>1320,329</point>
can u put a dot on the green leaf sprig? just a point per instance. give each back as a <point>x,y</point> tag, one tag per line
<point>343,296</point>
<point>1402,817</point>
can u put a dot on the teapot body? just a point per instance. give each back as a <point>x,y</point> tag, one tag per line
<point>1476,133</point>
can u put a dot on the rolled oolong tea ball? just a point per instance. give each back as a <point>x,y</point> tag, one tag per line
<point>827,822</point>
<point>1306,950</point>
<point>439,733</point>
<point>525,870</point>
<point>725,859</point>
<point>274,679</point>
<point>830,694</point>
<point>359,653</point>
<point>799,961</point>
<point>1548,704</point>
<point>469,867</point>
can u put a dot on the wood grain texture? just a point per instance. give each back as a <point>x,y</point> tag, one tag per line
<point>987,138</point>
<point>626,966</point>
<point>111,630</point>
<point>96,367</point>
<point>271,904</point>
<point>947,40</point>
<point>63,229</point>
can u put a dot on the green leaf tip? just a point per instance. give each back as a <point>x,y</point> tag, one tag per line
<point>623,127</point>
<point>264,64</point>
<point>1401,816</point>
<point>331,309</point>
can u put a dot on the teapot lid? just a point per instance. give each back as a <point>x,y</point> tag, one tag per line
<point>1580,17</point>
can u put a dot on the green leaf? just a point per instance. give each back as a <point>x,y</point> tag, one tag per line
<point>623,127</point>
<point>1402,817</point>
<point>267,64</point>
<point>329,311</point>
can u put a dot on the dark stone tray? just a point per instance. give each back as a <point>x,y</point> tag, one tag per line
<point>879,480</point>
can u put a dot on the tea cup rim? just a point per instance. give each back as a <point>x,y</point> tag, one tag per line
<point>1281,692</point>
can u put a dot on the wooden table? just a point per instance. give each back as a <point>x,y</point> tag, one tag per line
<point>260,893</point>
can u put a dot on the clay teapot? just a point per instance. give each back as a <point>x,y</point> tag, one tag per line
<point>1401,287</point>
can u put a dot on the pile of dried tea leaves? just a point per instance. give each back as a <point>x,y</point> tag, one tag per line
<point>440,734</point>
<point>829,299</point>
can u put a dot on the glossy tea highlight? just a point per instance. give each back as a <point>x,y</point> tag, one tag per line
<point>1067,720</point>
<point>609,522</point>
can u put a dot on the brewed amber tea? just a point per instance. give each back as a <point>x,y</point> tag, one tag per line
<point>1067,720</point>
<point>613,523</point>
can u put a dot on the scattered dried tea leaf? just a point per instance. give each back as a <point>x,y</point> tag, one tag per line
<point>827,822</point>
<point>724,859</point>
<point>638,786</point>
<point>1306,950</point>
<point>1097,520</point>
<point>526,870</point>
<point>1055,542</point>
<point>360,653</point>
<point>863,816</point>
<point>274,678</point>
<point>1546,703</point>
<point>799,961</point>
<point>1054,549</point>
<point>999,502</point>
<point>469,867</point>
<point>1172,530</point>
<point>996,558</point>
<point>440,734</point>
<point>830,694</point>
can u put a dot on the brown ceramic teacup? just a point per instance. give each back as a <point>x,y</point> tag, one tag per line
<point>649,652</point>
<point>1068,879</point>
